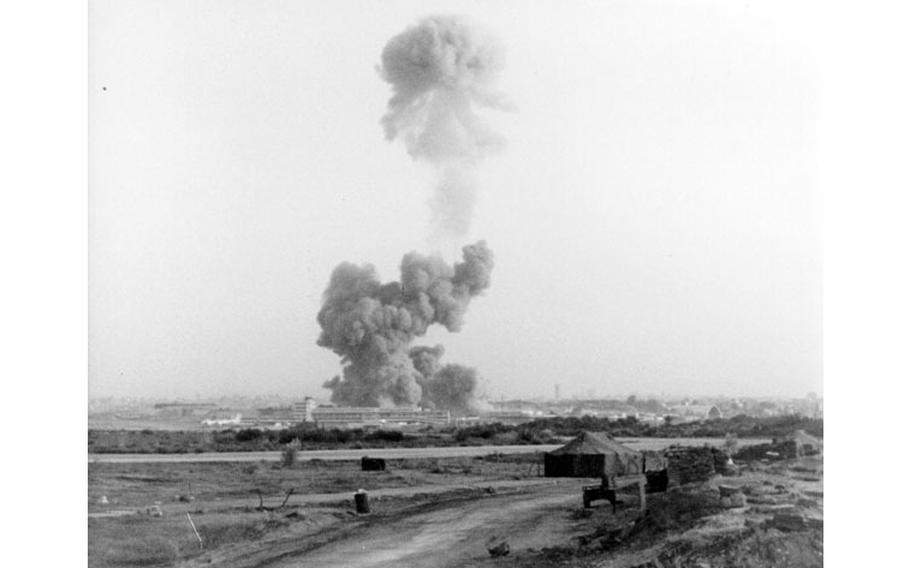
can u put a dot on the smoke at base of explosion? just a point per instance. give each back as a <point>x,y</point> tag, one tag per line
<point>371,326</point>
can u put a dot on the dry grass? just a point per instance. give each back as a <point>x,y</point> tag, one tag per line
<point>144,540</point>
<point>143,551</point>
<point>139,540</point>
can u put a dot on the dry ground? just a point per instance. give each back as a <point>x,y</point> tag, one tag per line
<point>446,513</point>
<point>223,502</point>
<point>779,527</point>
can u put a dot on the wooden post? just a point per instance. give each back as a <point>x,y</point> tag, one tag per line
<point>286,497</point>
<point>192,524</point>
<point>641,491</point>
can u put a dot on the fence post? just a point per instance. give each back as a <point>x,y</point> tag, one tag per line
<point>641,492</point>
<point>192,524</point>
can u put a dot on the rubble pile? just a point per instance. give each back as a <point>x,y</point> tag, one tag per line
<point>731,497</point>
<point>722,461</point>
<point>687,465</point>
<point>500,549</point>
<point>781,451</point>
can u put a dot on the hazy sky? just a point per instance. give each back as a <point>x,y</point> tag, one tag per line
<point>655,217</point>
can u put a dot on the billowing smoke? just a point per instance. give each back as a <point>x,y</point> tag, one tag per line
<point>426,360</point>
<point>453,388</point>
<point>371,325</point>
<point>440,71</point>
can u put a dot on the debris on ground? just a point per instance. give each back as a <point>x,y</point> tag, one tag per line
<point>732,497</point>
<point>766,516</point>
<point>501,549</point>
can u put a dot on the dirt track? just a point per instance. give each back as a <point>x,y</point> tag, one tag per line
<point>640,444</point>
<point>455,534</point>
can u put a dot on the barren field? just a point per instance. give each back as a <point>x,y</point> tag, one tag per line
<point>443,512</point>
<point>640,444</point>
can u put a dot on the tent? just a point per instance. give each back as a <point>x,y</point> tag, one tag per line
<point>806,444</point>
<point>593,454</point>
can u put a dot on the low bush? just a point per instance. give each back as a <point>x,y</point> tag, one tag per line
<point>248,434</point>
<point>482,431</point>
<point>385,436</point>
<point>289,453</point>
<point>539,431</point>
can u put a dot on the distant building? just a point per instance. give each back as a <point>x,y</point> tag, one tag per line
<point>524,406</point>
<point>691,412</point>
<point>238,422</point>
<point>232,421</point>
<point>353,416</point>
<point>184,409</point>
<point>505,417</point>
<point>651,419</point>
<point>264,424</point>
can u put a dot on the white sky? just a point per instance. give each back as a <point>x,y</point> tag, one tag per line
<point>655,218</point>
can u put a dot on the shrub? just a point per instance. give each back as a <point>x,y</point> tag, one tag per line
<point>483,431</point>
<point>385,436</point>
<point>248,435</point>
<point>731,443</point>
<point>289,453</point>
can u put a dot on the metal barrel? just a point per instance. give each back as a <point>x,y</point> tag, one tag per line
<point>362,502</point>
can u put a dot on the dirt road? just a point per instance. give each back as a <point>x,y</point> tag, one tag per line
<point>455,534</point>
<point>640,444</point>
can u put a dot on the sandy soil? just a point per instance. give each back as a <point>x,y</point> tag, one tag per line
<point>544,526</point>
<point>455,534</point>
<point>453,519</point>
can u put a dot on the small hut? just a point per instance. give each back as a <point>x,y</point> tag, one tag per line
<point>593,454</point>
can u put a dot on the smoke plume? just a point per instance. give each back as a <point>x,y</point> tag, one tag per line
<point>371,325</point>
<point>441,70</point>
<point>453,388</point>
<point>426,360</point>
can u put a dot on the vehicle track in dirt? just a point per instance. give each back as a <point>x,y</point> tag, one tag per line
<point>453,536</point>
<point>448,533</point>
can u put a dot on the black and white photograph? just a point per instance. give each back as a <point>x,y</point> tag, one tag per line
<point>454,284</point>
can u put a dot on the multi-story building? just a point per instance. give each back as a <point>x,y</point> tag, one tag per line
<point>346,416</point>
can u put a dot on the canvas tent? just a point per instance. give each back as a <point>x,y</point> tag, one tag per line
<point>593,454</point>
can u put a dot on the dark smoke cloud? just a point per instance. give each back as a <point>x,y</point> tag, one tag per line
<point>426,359</point>
<point>453,388</point>
<point>440,70</point>
<point>371,325</point>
